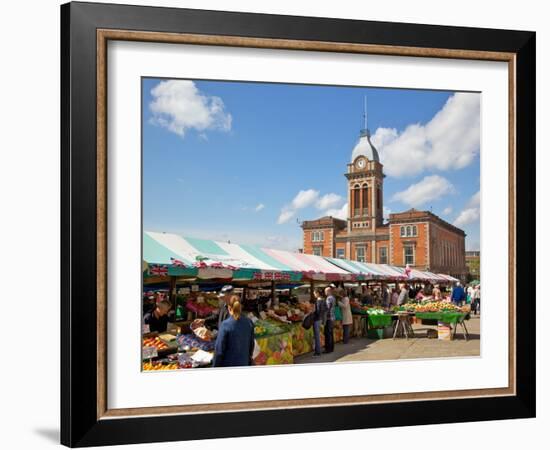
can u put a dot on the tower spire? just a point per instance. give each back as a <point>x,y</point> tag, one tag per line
<point>365,113</point>
<point>365,129</point>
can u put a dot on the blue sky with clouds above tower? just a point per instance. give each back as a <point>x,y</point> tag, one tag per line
<point>246,162</point>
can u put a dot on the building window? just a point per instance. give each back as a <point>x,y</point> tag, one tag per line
<point>356,201</point>
<point>409,231</point>
<point>317,236</point>
<point>378,199</point>
<point>340,253</point>
<point>365,200</point>
<point>408,254</point>
<point>360,252</point>
<point>318,250</point>
<point>383,255</point>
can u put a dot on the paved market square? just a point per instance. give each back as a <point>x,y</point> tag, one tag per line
<point>364,349</point>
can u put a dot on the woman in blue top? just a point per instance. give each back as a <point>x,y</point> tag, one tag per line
<point>235,340</point>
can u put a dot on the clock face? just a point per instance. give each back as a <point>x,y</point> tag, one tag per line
<point>361,164</point>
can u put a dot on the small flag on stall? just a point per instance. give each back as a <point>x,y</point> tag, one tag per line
<point>158,270</point>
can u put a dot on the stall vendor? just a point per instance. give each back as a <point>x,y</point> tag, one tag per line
<point>157,319</point>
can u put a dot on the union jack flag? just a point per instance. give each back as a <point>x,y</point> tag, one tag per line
<point>158,270</point>
<point>177,263</point>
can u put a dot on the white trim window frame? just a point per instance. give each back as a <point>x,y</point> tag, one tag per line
<point>412,255</point>
<point>363,249</point>
<point>317,236</point>
<point>383,255</point>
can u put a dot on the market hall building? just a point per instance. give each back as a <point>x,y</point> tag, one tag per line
<point>420,239</point>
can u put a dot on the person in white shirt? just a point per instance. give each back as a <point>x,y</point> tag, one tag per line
<point>403,294</point>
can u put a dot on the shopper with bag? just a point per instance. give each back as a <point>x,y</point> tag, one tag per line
<point>319,317</point>
<point>329,324</point>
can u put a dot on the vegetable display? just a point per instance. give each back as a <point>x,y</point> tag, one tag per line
<point>201,306</point>
<point>431,306</point>
<point>155,342</point>
<point>159,366</point>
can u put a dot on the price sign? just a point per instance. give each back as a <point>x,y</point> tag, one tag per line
<point>149,352</point>
<point>195,288</point>
<point>184,290</point>
<point>145,328</point>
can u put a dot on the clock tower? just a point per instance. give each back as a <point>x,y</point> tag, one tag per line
<point>365,187</point>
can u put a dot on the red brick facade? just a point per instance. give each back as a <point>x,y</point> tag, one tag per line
<point>418,238</point>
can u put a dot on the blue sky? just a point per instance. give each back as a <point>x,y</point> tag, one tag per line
<point>245,161</point>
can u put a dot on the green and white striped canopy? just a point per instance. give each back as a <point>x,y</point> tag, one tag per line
<point>170,254</point>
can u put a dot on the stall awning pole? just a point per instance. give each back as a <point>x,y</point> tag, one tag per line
<point>172,296</point>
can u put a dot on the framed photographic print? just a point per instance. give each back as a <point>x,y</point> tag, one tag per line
<point>277,224</point>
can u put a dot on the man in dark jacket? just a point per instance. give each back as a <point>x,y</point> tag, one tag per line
<point>458,295</point>
<point>329,324</point>
<point>319,318</point>
<point>225,295</point>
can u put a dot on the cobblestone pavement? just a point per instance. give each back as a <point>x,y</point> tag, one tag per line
<point>363,349</point>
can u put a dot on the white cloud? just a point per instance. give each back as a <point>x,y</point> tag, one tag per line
<point>429,188</point>
<point>471,213</point>
<point>305,198</point>
<point>450,140</point>
<point>302,200</point>
<point>467,216</point>
<point>474,200</point>
<point>338,213</point>
<point>259,207</point>
<point>310,197</point>
<point>448,210</point>
<point>179,106</point>
<point>285,216</point>
<point>329,201</point>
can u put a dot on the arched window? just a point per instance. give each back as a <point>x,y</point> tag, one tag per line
<point>365,190</point>
<point>409,231</point>
<point>356,200</point>
<point>378,199</point>
<point>414,231</point>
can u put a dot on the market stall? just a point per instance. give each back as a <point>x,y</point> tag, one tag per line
<point>192,272</point>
